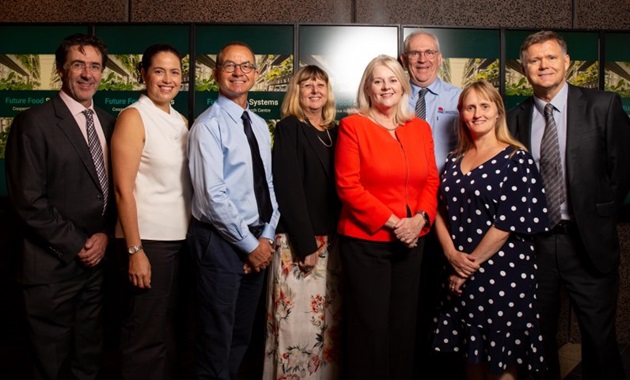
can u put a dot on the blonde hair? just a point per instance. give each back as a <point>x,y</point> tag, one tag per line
<point>291,104</point>
<point>403,114</point>
<point>486,91</point>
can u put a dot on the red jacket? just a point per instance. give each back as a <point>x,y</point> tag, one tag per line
<point>377,175</point>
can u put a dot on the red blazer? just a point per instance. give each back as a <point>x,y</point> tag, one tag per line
<point>378,175</point>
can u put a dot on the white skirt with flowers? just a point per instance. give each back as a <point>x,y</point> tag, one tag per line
<point>303,316</point>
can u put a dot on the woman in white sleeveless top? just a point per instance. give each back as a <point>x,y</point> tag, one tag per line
<point>153,195</point>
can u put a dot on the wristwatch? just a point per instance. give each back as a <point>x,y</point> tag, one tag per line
<point>134,249</point>
<point>425,216</point>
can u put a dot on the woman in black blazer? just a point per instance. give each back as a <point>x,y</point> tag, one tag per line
<point>302,300</point>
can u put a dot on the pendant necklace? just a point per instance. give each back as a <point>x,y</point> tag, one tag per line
<point>330,144</point>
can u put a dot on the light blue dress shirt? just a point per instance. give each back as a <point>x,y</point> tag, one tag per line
<point>559,103</point>
<point>222,174</point>
<point>442,116</point>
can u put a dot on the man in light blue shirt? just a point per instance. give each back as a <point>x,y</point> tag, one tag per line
<point>438,106</point>
<point>422,59</point>
<point>235,214</point>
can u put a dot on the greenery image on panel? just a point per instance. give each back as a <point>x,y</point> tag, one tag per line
<point>19,71</point>
<point>5,125</point>
<point>463,71</point>
<point>122,74</point>
<point>26,72</point>
<point>617,78</point>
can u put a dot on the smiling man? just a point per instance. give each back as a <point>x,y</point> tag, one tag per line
<point>235,214</point>
<point>436,102</point>
<point>579,139</point>
<point>57,176</point>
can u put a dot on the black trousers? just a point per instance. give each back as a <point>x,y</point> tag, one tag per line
<point>380,285</point>
<point>65,326</point>
<point>148,344</point>
<point>226,302</point>
<point>563,262</point>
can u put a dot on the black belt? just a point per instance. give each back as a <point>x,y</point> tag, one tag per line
<point>564,227</point>
<point>256,230</point>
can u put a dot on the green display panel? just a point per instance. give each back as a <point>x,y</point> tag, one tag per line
<point>28,74</point>
<point>126,43</point>
<point>583,48</point>
<point>468,55</point>
<point>617,66</point>
<point>273,52</point>
<point>344,52</point>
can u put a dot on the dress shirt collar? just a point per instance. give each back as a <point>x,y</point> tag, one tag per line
<point>74,106</point>
<point>559,101</point>
<point>233,110</point>
<point>434,88</point>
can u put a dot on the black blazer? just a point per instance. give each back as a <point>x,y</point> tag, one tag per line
<point>597,166</point>
<point>54,189</point>
<point>304,185</point>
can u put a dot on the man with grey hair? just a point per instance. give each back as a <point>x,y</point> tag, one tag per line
<point>436,102</point>
<point>578,138</point>
<point>431,99</point>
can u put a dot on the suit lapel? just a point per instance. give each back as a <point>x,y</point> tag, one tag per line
<point>69,127</point>
<point>313,141</point>
<point>524,123</point>
<point>576,108</point>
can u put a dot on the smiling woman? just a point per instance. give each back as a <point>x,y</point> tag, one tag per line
<point>153,195</point>
<point>387,182</point>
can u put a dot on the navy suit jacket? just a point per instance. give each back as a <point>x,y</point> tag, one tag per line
<point>54,189</point>
<point>597,166</point>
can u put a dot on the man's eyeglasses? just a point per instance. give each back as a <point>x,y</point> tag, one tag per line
<point>229,67</point>
<point>80,66</point>
<point>415,54</point>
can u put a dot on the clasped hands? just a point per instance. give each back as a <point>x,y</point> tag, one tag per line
<point>407,230</point>
<point>465,265</point>
<point>260,258</point>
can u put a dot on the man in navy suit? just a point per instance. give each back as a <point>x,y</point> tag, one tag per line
<point>59,187</point>
<point>581,253</point>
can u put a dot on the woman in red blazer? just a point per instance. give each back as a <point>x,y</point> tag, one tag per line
<point>387,181</point>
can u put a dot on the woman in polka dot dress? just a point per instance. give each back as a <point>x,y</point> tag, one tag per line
<point>491,202</point>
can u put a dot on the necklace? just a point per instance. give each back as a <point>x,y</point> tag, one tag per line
<point>330,144</point>
<point>308,121</point>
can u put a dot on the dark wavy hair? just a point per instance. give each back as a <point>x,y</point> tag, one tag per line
<point>80,40</point>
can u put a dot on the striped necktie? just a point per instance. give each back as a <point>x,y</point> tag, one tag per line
<point>421,105</point>
<point>97,155</point>
<point>551,168</point>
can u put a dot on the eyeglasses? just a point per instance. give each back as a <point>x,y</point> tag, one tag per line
<point>229,67</point>
<point>80,66</point>
<point>415,54</point>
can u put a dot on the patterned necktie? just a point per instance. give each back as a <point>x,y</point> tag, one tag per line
<point>551,167</point>
<point>261,189</point>
<point>421,105</point>
<point>97,155</point>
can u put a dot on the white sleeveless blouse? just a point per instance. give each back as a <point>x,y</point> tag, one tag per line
<point>163,191</point>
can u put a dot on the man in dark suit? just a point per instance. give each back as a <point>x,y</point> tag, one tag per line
<point>580,138</point>
<point>57,166</point>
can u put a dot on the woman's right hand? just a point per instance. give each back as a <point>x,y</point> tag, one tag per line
<point>463,263</point>
<point>140,270</point>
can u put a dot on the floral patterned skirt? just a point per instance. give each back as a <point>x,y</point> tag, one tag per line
<point>303,316</point>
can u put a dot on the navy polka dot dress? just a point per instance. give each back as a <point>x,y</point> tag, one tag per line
<point>494,321</point>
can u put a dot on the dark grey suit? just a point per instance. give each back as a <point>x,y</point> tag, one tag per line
<point>54,189</point>
<point>585,258</point>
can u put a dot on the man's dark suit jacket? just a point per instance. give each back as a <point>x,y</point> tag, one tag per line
<point>54,189</point>
<point>304,185</point>
<point>597,166</point>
